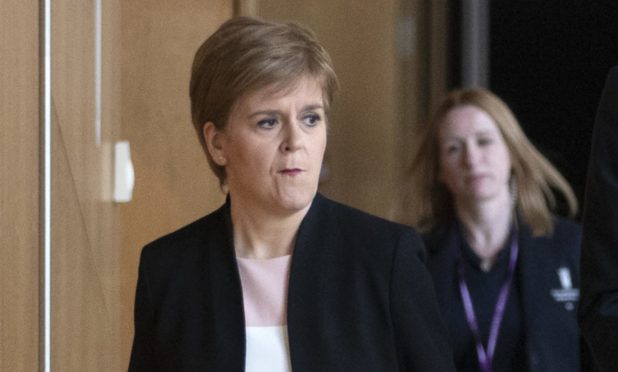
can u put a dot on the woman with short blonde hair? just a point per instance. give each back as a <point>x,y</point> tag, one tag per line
<point>279,278</point>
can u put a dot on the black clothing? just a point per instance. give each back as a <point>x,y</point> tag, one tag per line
<point>546,302</point>
<point>598,313</point>
<point>484,289</point>
<point>359,299</point>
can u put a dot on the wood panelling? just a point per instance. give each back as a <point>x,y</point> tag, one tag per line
<point>361,36</point>
<point>19,185</point>
<point>85,238</point>
<point>173,183</point>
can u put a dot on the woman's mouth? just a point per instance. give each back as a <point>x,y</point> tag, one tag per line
<point>290,171</point>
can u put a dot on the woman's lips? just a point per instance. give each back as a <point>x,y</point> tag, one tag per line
<point>290,171</point>
<point>476,178</point>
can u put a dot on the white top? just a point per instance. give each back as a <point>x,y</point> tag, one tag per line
<point>265,288</point>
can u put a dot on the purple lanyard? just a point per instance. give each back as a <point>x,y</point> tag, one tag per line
<point>485,356</point>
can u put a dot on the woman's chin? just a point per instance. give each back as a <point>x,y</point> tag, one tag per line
<point>295,201</point>
<point>481,195</point>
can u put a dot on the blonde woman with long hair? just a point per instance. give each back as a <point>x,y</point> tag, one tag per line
<point>506,269</point>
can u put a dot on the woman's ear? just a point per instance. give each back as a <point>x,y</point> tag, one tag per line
<point>212,137</point>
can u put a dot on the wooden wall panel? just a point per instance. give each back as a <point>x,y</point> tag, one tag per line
<point>391,59</point>
<point>173,184</point>
<point>361,36</point>
<point>95,242</point>
<point>85,238</point>
<point>19,185</point>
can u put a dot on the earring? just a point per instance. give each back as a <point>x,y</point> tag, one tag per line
<point>514,190</point>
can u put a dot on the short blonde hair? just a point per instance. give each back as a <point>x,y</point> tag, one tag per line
<point>427,202</point>
<point>245,55</point>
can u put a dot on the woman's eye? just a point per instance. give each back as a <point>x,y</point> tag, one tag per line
<point>484,141</point>
<point>312,119</point>
<point>267,123</point>
<point>451,149</point>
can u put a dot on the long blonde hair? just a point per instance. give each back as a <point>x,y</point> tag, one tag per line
<point>426,201</point>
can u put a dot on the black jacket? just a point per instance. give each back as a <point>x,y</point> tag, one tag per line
<point>550,321</point>
<point>599,305</point>
<point>360,298</point>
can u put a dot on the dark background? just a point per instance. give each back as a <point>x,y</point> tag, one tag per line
<point>548,62</point>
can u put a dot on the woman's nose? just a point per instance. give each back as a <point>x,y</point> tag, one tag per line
<point>471,155</point>
<point>292,137</point>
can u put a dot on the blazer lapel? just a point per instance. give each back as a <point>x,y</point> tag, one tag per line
<point>546,321</point>
<point>225,294</point>
<point>534,296</point>
<point>303,296</point>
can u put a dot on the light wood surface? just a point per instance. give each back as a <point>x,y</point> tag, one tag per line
<point>19,185</point>
<point>148,47</point>
<point>361,37</point>
<point>391,61</point>
<point>85,238</point>
<point>173,184</point>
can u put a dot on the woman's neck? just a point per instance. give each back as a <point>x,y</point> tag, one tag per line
<point>259,234</point>
<point>486,226</point>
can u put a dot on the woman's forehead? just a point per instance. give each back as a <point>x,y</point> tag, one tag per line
<point>309,88</point>
<point>467,119</point>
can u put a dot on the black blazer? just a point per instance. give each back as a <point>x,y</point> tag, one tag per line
<point>360,298</point>
<point>599,305</point>
<point>550,321</point>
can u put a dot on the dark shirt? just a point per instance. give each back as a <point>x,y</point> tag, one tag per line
<point>547,318</point>
<point>484,289</point>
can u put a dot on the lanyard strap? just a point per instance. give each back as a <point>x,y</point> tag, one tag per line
<point>485,356</point>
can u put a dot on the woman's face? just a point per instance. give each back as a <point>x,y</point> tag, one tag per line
<point>475,164</point>
<point>272,147</point>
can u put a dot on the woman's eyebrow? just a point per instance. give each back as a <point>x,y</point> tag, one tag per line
<point>269,112</point>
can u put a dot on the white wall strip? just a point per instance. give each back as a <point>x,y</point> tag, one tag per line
<point>97,70</point>
<point>47,124</point>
